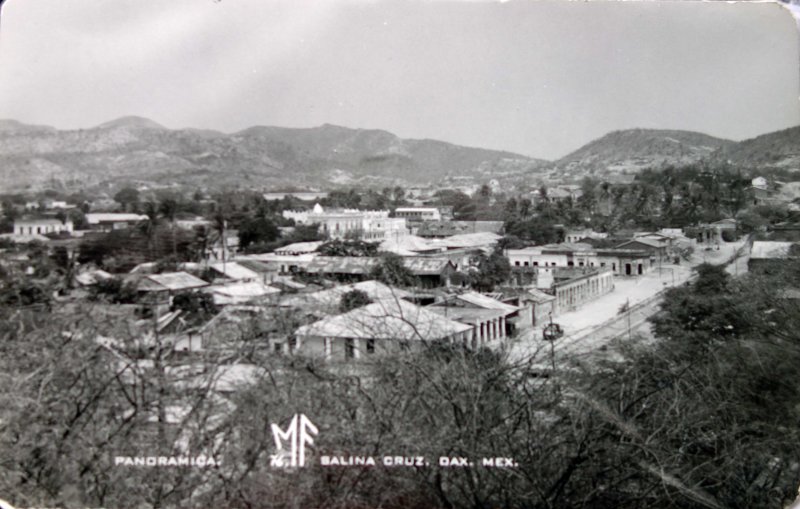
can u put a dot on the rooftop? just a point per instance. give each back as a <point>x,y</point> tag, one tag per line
<point>388,319</point>
<point>172,281</point>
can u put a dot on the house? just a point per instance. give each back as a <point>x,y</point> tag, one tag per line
<point>627,262</point>
<point>431,272</point>
<point>92,277</point>
<point>578,234</point>
<point>160,288</point>
<point>575,287</point>
<point>231,330</point>
<point>108,221</point>
<point>658,249</point>
<point>759,183</point>
<point>712,232</point>
<point>234,271</point>
<point>299,248</point>
<point>367,225</point>
<point>327,302</point>
<point>342,268</point>
<point>41,226</point>
<point>275,263</point>
<point>418,213</point>
<point>389,326</point>
<point>535,306</point>
<point>487,316</point>
<point>443,229</point>
<point>770,257</point>
<point>240,292</point>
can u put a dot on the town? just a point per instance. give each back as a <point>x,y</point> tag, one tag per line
<point>192,291</point>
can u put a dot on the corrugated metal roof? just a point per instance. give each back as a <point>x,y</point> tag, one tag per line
<point>172,281</point>
<point>327,300</point>
<point>392,320</point>
<point>234,270</point>
<point>341,265</point>
<point>482,301</point>
<point>299,247</point>
<point>240,292</point>
<point>427,266</point>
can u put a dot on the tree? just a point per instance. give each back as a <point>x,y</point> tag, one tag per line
<point>391,270</point>
<point>492,270</point>
<point>257,231</point>
<point>348,247</point>
<point>352,300</point>
<point>128,197</point>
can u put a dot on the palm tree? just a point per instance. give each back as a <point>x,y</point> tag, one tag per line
<point>149,226</point>
<point>168,209</point>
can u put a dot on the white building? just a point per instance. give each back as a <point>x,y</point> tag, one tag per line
<point>108,221</point>
<point>41,226</point>
<point>418,213</point>
<point>367,225</point>
<point>627,262</point>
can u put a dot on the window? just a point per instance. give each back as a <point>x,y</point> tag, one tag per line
<point>526,264</point>
<point>278,347</point>
<point>516,263</point>
<point>292,342</point>
<point>349,348</point>
<point>535,264</point>
<point>602,264</point>
<point>370,346</point>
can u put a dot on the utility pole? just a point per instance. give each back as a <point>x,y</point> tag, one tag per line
<point>628,306</point>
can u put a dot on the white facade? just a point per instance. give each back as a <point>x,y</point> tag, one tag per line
<point>419,213</point>
<point>367,225</point>
<point>620,261</point>
<point>41,226</point>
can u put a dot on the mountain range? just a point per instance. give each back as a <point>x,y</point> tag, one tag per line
<point>135,149</point>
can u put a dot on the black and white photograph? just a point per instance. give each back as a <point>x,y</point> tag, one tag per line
<point>399,254</point>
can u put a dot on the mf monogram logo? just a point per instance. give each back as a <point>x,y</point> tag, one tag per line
<point>291,444</point>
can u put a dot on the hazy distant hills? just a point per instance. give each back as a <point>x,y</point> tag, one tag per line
<point>138,149</point>
<point>779,149</point>
<point>135,149</point>
<point>631,150</point>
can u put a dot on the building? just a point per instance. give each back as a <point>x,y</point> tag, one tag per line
<point>574,287</point>
<point>418,213</point>
<point>240,292</point>
<point>488,317</point>
<point>443,229</point>
<point>431,272</point>
<point>712,232</point>
<point>327,302</point>
<point>160,288</point>
<point>578,234</point>
<point>379,328</point>
<point>623,262</point>
<point>367,225</point>
<point>108,221</point>
<point>299,248</point>
<point>769,257</point>
<point>536,307</point>
<point>41,226</point>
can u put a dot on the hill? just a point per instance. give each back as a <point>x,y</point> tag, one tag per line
<point>138,149</point>
<point>778,150</point>
<point>628,151</point>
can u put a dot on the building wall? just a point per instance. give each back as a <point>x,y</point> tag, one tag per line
<point>618,263</point>
<point>41,228</point>
<point>573,293</point>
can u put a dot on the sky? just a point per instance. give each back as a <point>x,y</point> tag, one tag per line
<point>537,78</point>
